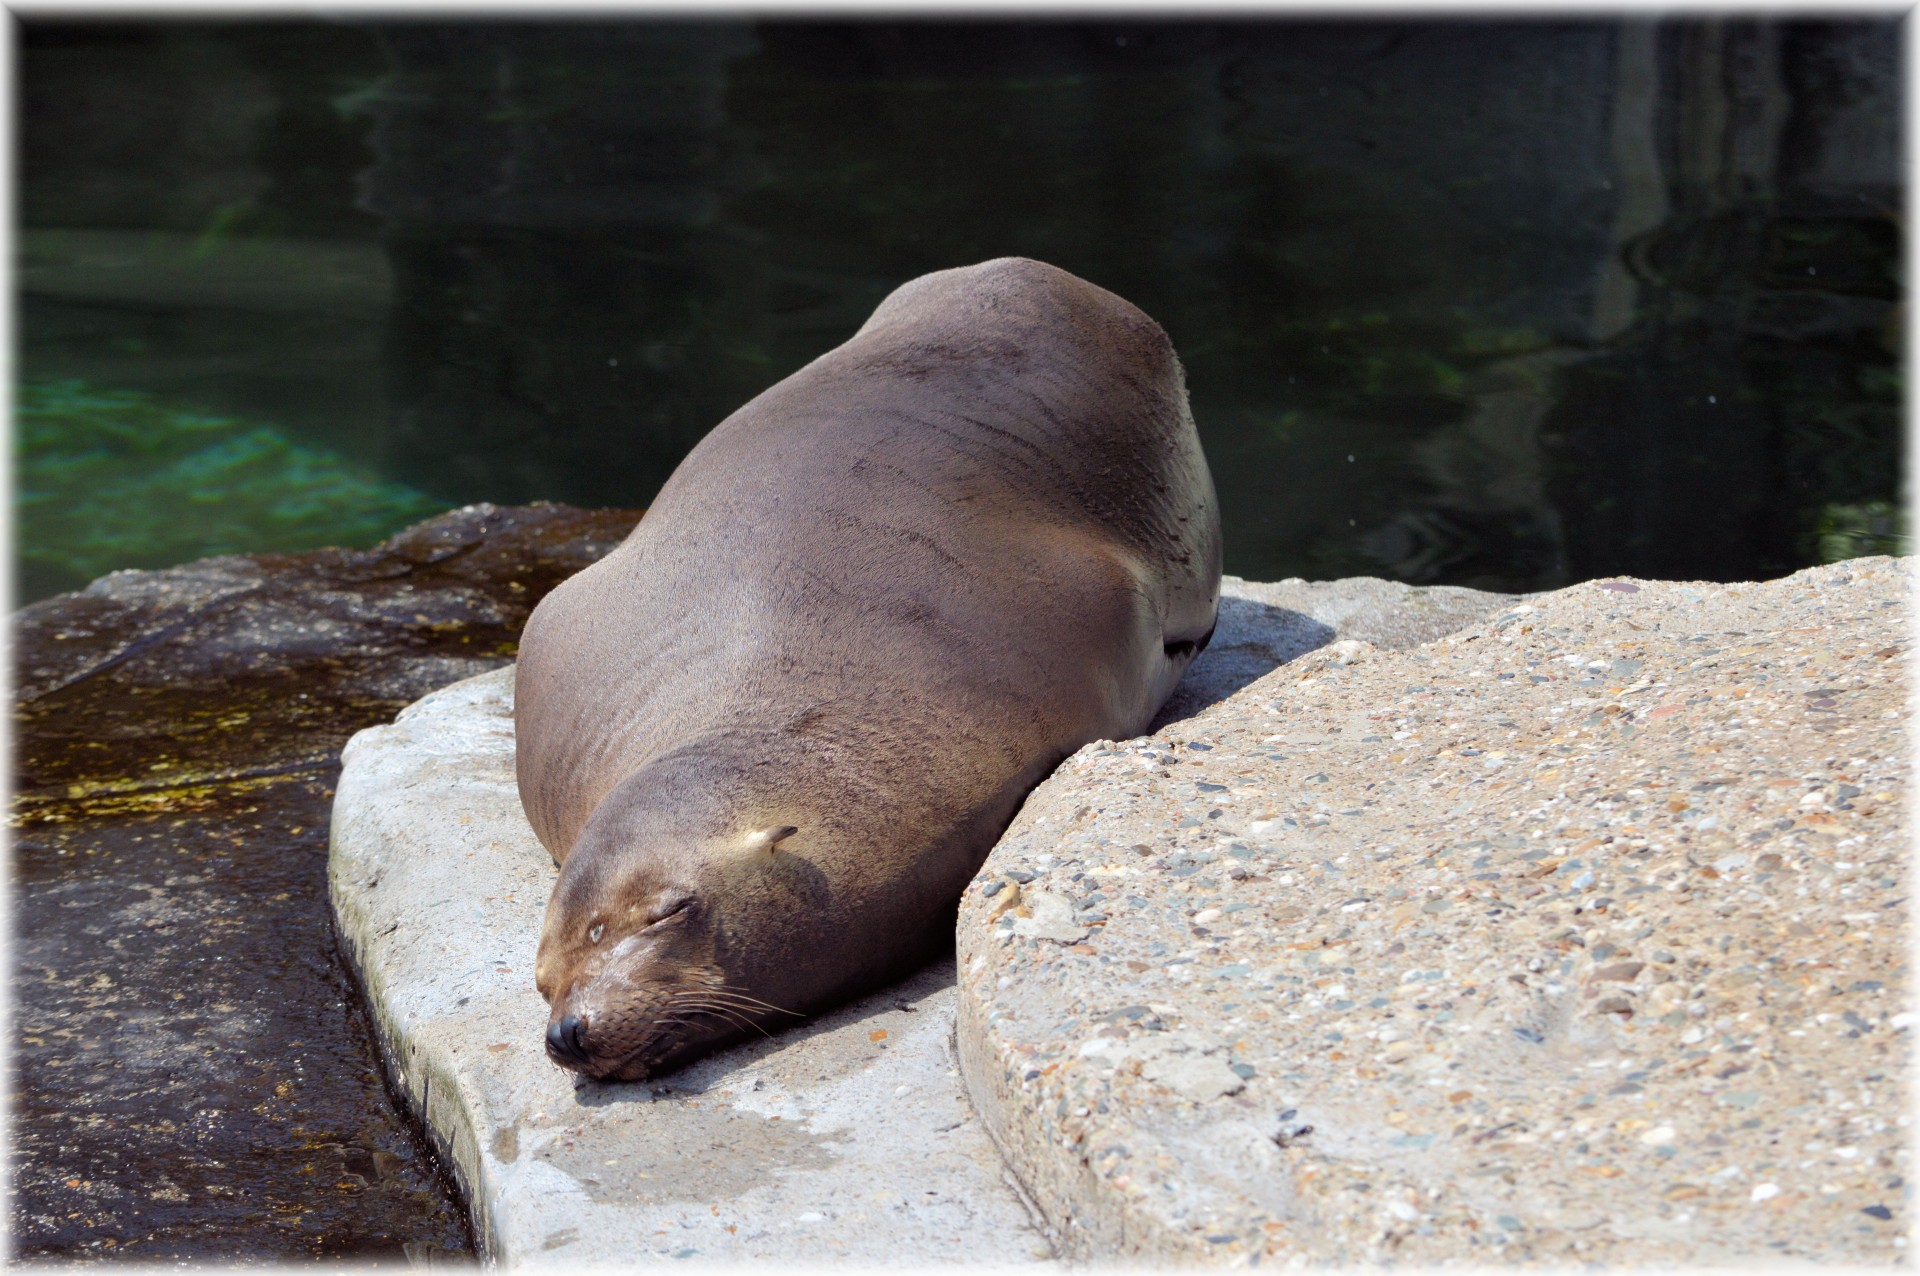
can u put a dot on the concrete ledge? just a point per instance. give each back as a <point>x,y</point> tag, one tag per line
<point>1577,936</point>
<point>845,1139</point>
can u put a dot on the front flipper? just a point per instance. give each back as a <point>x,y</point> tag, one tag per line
<point>1189,648</point>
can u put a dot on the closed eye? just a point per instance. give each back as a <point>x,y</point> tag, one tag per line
<point>673,908</point>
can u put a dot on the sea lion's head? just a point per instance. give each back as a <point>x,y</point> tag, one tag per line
<point>633,957</point>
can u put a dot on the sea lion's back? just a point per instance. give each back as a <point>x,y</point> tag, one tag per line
<point>999,444</point>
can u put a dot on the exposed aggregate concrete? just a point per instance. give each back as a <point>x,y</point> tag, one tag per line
<point>1576,936</point>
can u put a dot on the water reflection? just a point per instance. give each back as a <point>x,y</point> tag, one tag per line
<point>1504,304</point>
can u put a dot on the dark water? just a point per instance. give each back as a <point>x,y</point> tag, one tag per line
<point>1504,304</point>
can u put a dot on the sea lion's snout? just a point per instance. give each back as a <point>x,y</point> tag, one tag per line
<point>617,1033</point>
<point>564,1044</point>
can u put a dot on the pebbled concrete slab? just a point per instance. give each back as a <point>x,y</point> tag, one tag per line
<point>847,1138</point>
<point>1577,936</point>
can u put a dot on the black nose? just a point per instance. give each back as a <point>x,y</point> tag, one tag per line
<point>564,1044</point>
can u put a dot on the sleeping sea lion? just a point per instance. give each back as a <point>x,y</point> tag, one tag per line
<point>770,737</point>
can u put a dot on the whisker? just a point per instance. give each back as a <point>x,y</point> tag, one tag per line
<point>697,1001</point>
<point>743,1006</point>
<point>711,1008</point>
<point>739,1022</point>
<point>730,1015</point>
<point>743,996</point>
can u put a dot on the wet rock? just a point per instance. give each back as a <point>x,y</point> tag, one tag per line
<point>193,1077</point>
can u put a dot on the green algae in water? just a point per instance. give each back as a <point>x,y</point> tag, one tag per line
<point>106,479</point>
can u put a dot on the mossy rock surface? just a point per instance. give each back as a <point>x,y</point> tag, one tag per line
<point>194,1078</point>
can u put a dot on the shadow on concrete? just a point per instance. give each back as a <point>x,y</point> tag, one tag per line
<point>1251,640</point>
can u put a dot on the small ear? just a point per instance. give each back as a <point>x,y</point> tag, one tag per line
<point>761,842</point>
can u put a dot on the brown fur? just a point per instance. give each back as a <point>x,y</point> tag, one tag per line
<point>877,604</point>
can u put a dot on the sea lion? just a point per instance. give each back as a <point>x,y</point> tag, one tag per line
<point>771,735</point>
